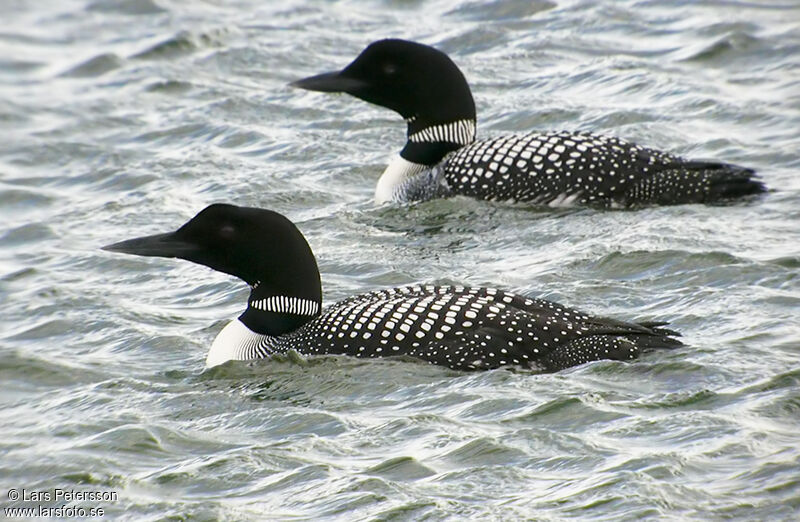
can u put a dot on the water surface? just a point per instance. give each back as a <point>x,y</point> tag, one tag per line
<point>123,118</point>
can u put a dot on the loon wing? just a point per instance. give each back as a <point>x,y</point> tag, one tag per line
<point>584,168</point>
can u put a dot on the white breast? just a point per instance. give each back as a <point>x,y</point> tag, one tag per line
<point>235,342</point>
<point>398,171</point>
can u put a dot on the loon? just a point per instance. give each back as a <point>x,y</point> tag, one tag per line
<point>459,327</point>
<point>442,158</point>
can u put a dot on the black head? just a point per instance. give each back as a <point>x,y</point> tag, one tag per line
<point>419,82</point>
<point>255,245</point>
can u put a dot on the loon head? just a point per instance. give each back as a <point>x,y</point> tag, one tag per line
<point>419,82</point>
<point>259,246</point>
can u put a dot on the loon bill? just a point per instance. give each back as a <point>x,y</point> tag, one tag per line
<point>459,327</point>
<point>442,158</point>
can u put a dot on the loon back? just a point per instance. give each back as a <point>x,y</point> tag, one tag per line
<point>466,328</point>
<point>563,168</point>
<point>428,90</point>
<point>458,327</point>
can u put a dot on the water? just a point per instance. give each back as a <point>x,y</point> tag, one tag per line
<point>125,117</point>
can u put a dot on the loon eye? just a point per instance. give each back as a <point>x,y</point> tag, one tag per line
<point>227,231</point>
<point>389,69</point>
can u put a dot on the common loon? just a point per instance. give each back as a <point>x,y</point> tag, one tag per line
<point>459,327</point>
<point>442,158</point>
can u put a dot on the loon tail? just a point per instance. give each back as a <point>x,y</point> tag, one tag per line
<point>658,336</point>
<point>695,182</point>
<point>727,181</point>
<point>619,341</point>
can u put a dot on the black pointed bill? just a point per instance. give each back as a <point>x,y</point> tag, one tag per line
<point>159,245</point>
<point>330,82</point>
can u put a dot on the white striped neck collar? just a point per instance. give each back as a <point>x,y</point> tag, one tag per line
<point>281,304</point>
<point>428,144</point>
<point>460,132</point>
<point>272,312</point>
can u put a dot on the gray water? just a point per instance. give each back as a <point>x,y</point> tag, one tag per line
<point>121,118</point>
